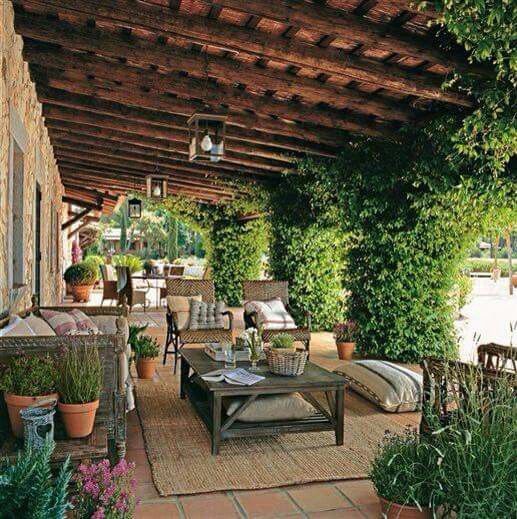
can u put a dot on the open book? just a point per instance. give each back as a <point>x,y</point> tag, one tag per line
<point>238,377</point>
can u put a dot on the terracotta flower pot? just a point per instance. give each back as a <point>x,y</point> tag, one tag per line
<point>395,511</point>
<point>15,403</point>
<point>81,293</point>
<point>78,418</point>
<point>146,368</point>
<point>514,280</point>
<point>345,350</point>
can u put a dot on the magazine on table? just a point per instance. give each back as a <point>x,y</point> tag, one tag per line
<point>237,377</point>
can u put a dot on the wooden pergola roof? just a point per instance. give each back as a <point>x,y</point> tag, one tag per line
<point>118,80</point>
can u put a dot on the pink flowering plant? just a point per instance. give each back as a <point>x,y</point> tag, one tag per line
<point>345,332</point>
<point>105,492</point>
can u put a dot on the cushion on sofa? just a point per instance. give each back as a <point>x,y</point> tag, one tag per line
<point>394,388</point>
<point>290,406</point>
<point>16,328</point>
<point>181,306</point>
<point>39,326</point>
<point>272,314</point>
<point>206,316</point>
<point>84,323</point>
<point>61,322</point>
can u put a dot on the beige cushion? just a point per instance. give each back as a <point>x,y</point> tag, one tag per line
<point>106,324</point>
<point>16,328</point>
<point>290,406</point>
<point>272,314</point>
<point>39,326</point>
<point>181,305</point>
<point>206,316</point>
<point>392,387</point>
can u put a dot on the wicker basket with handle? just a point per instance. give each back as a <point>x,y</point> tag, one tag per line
<point>288,364</point>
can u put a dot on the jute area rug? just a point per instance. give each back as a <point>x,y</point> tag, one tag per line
<point>178,447</point>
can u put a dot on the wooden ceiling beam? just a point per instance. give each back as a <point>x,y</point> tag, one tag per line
<point>145,53</point>
<point>55,97</point>
<point>205,31</point>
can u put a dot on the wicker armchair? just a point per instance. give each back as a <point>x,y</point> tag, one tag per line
<point>109,284</point>
<point>177,337</point>
<point>128,292</point>
<point>266,290</point>
<point>109,436</point>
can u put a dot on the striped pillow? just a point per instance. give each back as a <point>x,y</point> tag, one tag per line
<point>271,315</point>
<point>394,388</point>
<point>61,322</point>
<point>84,323</point>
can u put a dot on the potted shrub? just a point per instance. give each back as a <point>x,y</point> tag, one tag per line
<point>148,266</point>
<point>345,334</point>
<point>25,381</point>
<point>81,278</point>
<point>283,342</point>
<point>404,474</point>
<point>79,386</point>
<point>146,350</point>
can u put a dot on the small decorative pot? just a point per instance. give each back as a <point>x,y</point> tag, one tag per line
<point>514,280</point>
<point>78,418</point>
<point>395,511</point>
<point>345,350</point>
<point>81,293</point>
<point>146,368</point>
<point>15,403</point>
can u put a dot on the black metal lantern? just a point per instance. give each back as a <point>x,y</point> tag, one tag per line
<point>156,186</point>
<point>206,137</point>
<point>134,208</point>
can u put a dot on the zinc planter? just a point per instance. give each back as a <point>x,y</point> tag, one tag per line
<point>81,293</point>
<point>15,403</point>
<point>145,368</point>
<point>345,350</point>
<point>395,511</point>
<point>78,418</point>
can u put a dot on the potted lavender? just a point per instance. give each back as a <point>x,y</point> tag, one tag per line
<point>345,335</point>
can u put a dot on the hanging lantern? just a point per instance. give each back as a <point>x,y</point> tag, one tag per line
<point>156,186</point>
<point>206,137</point>
<point>134,208</point>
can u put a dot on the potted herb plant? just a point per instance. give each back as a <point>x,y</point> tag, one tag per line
<point>283,343</point>
<point>404,474</point>
<point>146,350</point>
<point>345,335</point>
<point>79,385</point>
<point>81,278</point>
<point>25,381</point>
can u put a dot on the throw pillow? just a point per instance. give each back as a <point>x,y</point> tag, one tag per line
<point>271,315</point>
<point>392,387</point>
<point>84,323</point>
<point>290,406</point>
<point>39,326</point>
<point>16,328</point>
<point>206,316</point>
<point>181,306</point>
<point>61,322</point>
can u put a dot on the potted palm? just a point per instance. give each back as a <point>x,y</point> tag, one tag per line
<point>405,476</point>
<point>345,335</point>
<point>25,381</point>
<point>79,386</point>
<point>146,350</point>
<point>81,278</point>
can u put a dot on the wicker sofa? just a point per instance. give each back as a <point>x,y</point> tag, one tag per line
<point>109,436</point>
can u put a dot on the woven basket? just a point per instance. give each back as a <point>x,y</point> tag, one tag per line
<point>288,364</point>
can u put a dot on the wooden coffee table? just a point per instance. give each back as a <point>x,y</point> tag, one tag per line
<point>206,397</point>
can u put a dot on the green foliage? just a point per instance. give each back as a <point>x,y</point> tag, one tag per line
<point>80,375</point>
<point>29,375</point>
<point>487,138</point>
<point>134,332</point>
<point>485,265</point>
<point>28,489</point>
<point>145,347</point>
<point>172,238</point>
<point>96,261</point>
<point>82,273</point>
<point>127,260</point>
<point>282,341</point>
<point>464,285</point>
<point>405,469</point>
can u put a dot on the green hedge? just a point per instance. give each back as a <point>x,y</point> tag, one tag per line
<point>486,265</point>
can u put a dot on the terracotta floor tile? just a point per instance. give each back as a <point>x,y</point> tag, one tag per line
<point>146,492</point>
<point>340,513</point>
<point>317,498</point>
<point>266,504</point>
<point>157,511</point>
<point>360,492</point>
<point>213,506</point>
<point>135,439</point>
<point>372,511</point>
<point>142,469</point>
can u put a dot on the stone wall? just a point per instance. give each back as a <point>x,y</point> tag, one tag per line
<point>18,103</point>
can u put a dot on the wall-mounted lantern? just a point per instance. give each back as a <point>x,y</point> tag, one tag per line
<point>206,137</point>
<point>156,186</point>
<point>134,208</point>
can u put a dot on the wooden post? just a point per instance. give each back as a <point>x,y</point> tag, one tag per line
<point>510,270</point>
